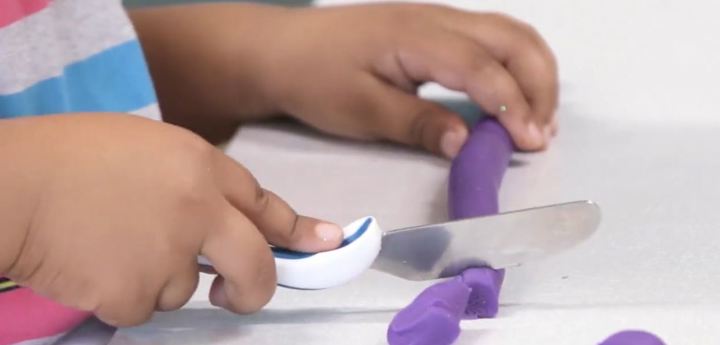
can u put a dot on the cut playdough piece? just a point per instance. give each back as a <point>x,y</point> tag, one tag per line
<point>475,177</point>
<point>633,337</point>
<point>484,284</point>
<point>433,318</point>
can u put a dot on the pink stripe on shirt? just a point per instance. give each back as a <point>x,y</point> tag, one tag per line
<point>25,315</point>
<point>14,10</point>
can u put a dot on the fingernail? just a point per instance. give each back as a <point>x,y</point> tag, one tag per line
<point>451,142</point>
<point>328,232</point>
<point>536,135</point>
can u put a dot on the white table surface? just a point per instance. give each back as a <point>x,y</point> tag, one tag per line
<point>640,134</point>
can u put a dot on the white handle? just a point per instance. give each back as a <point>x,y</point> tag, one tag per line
<point>307,271</point>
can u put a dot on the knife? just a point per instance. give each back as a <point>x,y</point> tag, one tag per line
<point>435,251</point>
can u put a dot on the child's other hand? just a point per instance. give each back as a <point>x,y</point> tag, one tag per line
<point>354,71</point>
<point>122,207</point>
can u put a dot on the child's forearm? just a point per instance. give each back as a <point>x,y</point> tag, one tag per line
<point>203,61</point>
<point>19,181</point>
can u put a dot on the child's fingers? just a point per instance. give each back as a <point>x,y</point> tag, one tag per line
<point>180,286</point>
<point>526,55</point>
<point>461,64</point>
<point>407,119</point>
<point>275,219</point>
<point>123,303</point>
<point>241,255</point>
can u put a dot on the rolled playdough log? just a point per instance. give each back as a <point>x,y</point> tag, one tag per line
<point>478,170</point>
<point>473,189</point>
<point>474,185</point>
<point>433,318</point>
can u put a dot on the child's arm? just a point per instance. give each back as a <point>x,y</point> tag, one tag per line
<point>350,70</point>
<point>108,213</point>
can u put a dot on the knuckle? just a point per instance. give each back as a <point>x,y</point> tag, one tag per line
<point>419,127</point>
<point>126,301</point>
<point>491,74</point>
<point>535,52</point>
<point>190,193</point>
<point>190,174</point>
<point>463,54</point>
<point>121,315</point>
<point>375,124</point>
<point>526,35</point>
<point>256,304</point>
<point>256,290</point>
<point>266,284</point>
<point>261,199</point>
<point>375,117</point>
<point>416,14</point>
<point>435,8</point>
<point>176,294</point>
<point>506,87</point>
<point>288,238</point>
<point>191,145</point>
<point>530,41</point>
<point>529,31</point>
<point>500,18</point>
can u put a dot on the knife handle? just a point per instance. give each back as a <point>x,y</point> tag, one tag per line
<point>313,271</point>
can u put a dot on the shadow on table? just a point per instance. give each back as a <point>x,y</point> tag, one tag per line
<point>196,326</point>
<point>215,316</point>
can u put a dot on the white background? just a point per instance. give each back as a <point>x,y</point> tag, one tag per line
<point>640,134</point>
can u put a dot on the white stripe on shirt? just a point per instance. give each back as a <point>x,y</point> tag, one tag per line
<point>151,112</point>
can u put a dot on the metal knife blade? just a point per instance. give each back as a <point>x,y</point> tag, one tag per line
<point>499,241</point>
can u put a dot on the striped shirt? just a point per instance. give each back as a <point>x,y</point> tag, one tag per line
<point>60,56</point>
<point>71,56</point>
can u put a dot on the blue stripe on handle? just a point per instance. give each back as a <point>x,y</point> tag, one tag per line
<point>282,253</point>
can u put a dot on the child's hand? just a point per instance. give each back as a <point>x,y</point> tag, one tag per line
<point>353,70</point>
<point>109,214</point>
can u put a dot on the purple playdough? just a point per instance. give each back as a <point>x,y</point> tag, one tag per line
<point>478,170</point>
<point>475,179</point>
<point>633,338</point>
<point>433,318</point>
<point>484,284</point>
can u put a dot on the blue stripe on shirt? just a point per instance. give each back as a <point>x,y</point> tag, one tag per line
<point>116,79</point>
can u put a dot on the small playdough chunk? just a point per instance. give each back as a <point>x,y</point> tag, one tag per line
<point>484,284</point>
<point>633,337</point>
<point>433,318</point>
